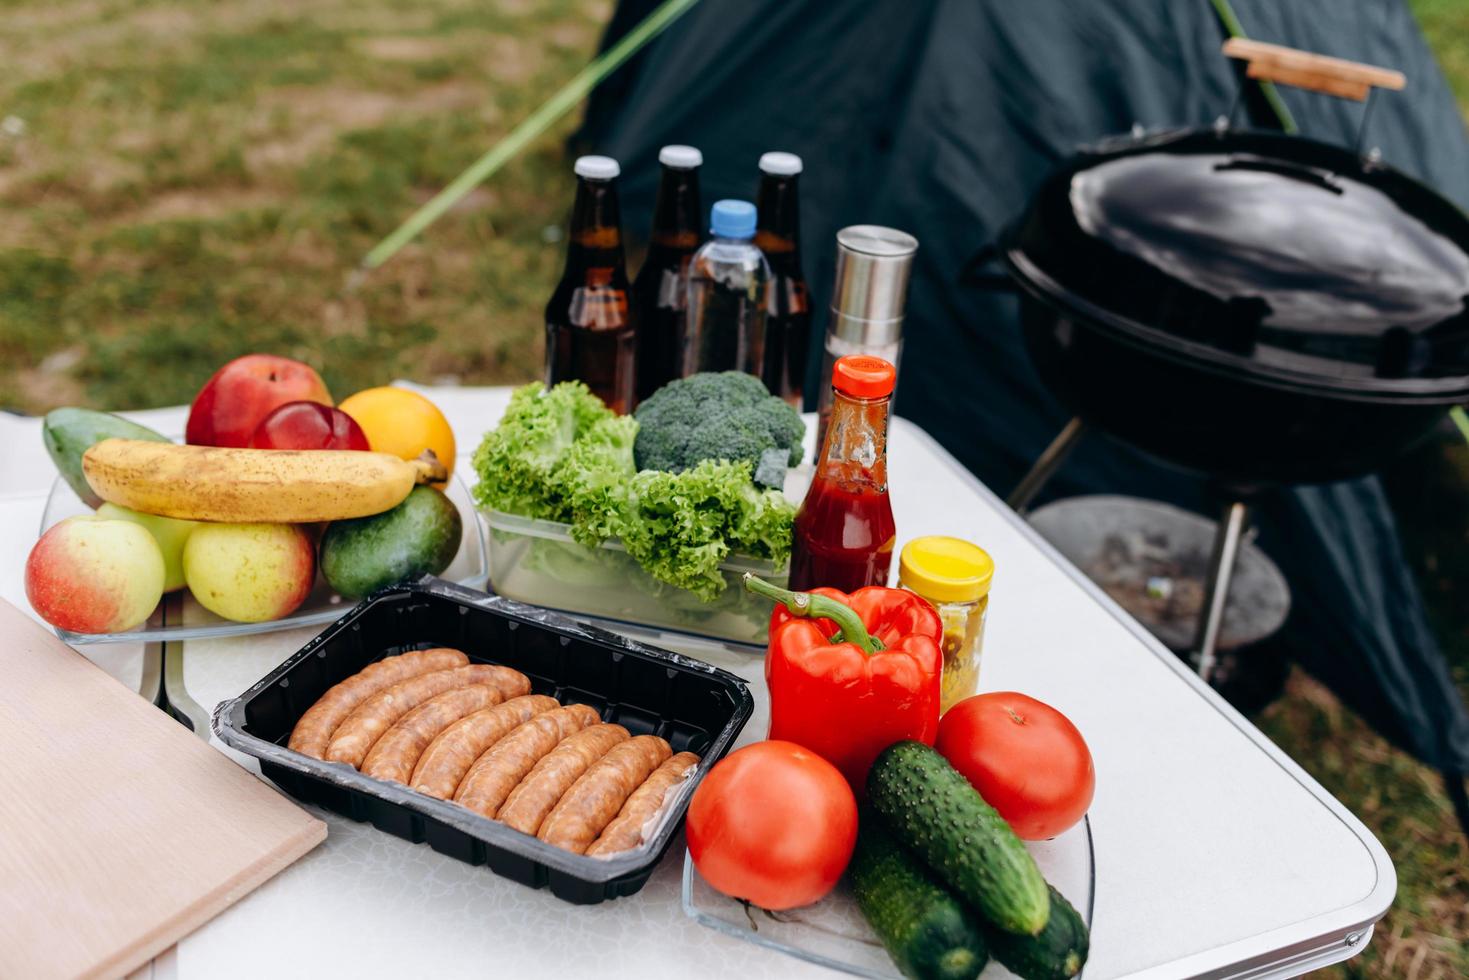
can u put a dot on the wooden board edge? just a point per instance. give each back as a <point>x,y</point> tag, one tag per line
<point>143,950</point>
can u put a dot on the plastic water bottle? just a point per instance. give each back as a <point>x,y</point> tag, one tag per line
<point>728,278</point>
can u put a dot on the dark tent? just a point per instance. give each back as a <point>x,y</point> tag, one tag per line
<point>939,117</point>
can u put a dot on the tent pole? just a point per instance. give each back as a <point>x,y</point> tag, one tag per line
<point>532,126</point>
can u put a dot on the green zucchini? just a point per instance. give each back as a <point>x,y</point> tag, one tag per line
<point>928,932</point>
<point>933,811</point>
<point>1058,953</point>
<point>70,432</point>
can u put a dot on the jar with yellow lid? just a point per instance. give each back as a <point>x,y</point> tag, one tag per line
<point>955,576</point>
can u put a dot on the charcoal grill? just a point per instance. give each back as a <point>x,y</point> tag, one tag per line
<point>1256,307</point>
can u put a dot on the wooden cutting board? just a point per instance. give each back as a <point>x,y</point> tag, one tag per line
<point>120,831</point>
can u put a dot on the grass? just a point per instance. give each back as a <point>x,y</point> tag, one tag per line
<point>181,183</point>
<point>194,182</point>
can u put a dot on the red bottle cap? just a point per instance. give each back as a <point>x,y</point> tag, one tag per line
<point>863,376</point>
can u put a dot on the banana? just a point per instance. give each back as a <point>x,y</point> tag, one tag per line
<point>275,486</point>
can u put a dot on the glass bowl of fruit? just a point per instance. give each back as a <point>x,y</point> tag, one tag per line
<point>278,511</point>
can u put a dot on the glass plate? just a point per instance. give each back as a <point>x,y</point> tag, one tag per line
<point>179,617</point>
<point>833,934</point>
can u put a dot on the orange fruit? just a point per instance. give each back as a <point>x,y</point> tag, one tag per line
<point>402,423</point>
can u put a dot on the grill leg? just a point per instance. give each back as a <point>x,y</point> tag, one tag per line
<point>1216,590</point>
<point>1046,465</point>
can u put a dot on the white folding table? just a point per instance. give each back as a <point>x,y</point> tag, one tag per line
<point>1216,855</point>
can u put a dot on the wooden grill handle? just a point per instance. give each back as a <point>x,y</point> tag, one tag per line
<point>1317,72</point>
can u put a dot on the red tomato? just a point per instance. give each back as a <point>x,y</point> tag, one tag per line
<point>308,425</point>
<point>774,824</point>
<point>1026,759</point>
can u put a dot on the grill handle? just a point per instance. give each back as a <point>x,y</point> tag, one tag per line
<point>1317,72</point>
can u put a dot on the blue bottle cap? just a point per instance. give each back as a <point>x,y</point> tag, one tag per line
<point>732,219</point>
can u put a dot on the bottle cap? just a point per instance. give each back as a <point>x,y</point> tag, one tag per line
<point>780,164</point>
<point>596,168</point>
<point>871,287</point>
<point>943,569</point>
<point>732,219</point>
<point>864,376</point>
<point>680,157</point>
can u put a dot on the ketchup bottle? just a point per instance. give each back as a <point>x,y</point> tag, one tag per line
<point>844,531</point>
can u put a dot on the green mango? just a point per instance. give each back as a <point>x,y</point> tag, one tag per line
<point>70,432</point>
<point>418,537</point>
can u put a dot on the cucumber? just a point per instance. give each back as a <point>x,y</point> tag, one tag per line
<point>933,811</point>
<point>1058,953</point>
<point>70,432</point>
<point>418,537</point>
<point>928,932</point>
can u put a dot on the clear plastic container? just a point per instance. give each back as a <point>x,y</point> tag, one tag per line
<point>537,562</point>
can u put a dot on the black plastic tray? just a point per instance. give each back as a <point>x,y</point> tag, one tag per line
<point>694,706</point>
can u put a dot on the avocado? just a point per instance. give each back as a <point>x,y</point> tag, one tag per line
<point>70,432</point>
<point>418,537</point>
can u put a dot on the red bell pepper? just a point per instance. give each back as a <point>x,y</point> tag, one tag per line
<point>850,675</point>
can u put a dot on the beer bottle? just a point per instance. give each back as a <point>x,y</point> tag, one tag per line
<point>590,333</point>
<point>788,306</point>
<point>659,294</point>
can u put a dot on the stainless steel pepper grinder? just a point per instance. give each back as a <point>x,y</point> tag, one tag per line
<point>867,300</point>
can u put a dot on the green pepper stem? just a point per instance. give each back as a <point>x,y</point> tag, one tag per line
<point>808,604</point>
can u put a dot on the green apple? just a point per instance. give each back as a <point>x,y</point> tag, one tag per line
<point>250,572</point>
<point>171,534</point>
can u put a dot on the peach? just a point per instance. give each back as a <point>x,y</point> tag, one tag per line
<point>250,573</point>
<point>89,574</point>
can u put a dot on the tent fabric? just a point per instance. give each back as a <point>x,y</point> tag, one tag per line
<point>940,117</point>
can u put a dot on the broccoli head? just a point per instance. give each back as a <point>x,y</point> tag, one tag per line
<point>725,415</point>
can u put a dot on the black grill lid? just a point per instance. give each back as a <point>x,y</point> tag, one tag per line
<point>1273,254</point>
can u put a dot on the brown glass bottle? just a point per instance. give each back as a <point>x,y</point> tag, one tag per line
<point>659,293</point>
<point>788,305</point>
<point>590,333</point>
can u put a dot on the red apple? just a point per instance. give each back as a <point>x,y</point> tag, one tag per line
<point>308,425</point>
<point>242,393</point>
<point>90,574</point>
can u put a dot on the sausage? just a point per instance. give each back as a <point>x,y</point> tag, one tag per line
<point>595,798</point>
<point>529,802</point>
<point>626,830</point>
<point>316,727</point>
<point>397,752</point>
<point>505,764</point>
<point>361,729</point>
<point>449,756</point>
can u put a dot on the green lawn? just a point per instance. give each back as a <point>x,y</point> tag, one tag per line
<point>181,183</point>
<point>194,181</point>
